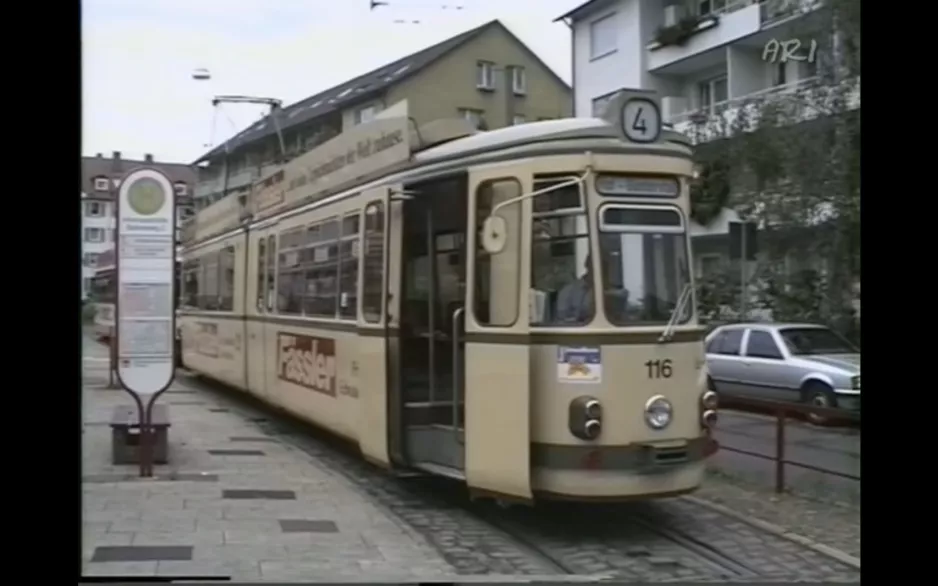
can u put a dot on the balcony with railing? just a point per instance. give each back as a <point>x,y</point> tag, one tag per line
<point>807,98</point>
<point>691,28</point>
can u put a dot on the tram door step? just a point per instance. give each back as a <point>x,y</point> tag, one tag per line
<point>437,444</point>
<point>431,413</point>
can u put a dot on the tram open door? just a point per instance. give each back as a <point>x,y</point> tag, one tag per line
<point>497,356</point>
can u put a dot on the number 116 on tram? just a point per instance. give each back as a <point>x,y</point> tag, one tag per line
<point>514,309</point>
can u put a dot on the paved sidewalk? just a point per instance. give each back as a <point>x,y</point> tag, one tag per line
<point>207,513</point>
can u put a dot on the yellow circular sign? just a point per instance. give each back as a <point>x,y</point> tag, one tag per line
<point>145,196</point>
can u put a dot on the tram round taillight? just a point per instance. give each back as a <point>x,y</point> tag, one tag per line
<point>709,419</point>
<point>585,418</point>
<point>709,400</point>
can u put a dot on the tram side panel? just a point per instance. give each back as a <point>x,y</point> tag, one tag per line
<point>211,324</point>
<point>310,351</point>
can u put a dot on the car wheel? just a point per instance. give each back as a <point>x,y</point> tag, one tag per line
<point>819,395</point>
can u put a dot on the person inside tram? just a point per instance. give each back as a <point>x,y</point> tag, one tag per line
<point>575,300</point>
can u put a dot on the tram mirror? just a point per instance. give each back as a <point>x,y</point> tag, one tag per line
<point>494,234</point>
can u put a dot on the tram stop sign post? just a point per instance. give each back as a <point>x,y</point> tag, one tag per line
<point>145,320</point>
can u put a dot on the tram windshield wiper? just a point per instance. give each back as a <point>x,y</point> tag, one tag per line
<point>676,313</point>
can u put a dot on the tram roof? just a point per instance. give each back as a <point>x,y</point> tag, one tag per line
<point>532,132</point>
<point>393,147</point>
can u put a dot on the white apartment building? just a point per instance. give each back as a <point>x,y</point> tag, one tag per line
<point>703,58</point>
<point>720,57</point>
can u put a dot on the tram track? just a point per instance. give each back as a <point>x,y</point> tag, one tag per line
<point>641,541</point>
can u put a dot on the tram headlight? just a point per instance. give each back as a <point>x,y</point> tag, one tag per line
<point>709,400</point>
<point>585,418</point>
<point>658,412</point>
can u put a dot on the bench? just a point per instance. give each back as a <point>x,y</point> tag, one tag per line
<point>125,435</point>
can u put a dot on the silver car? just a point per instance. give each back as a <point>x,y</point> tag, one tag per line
<point>785,362</point>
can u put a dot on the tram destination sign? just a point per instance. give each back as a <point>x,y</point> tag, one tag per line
<point>146,225</point>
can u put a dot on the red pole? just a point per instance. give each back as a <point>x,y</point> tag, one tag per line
<point>780,451</point>
<point>146,468</point>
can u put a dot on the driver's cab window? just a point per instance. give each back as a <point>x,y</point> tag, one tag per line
<point>562,292</point>
<point>761,345</point>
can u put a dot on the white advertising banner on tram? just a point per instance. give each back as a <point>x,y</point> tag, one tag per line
<point>146,255</point>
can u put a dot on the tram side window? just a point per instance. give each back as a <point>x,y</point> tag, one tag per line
<point>261,272</point>
<point>208,294</point>
<point>290,281</point>
<point>562,292</point>
<point>190,291</point>
<point>322,270</point>
<point>348,267</point>
<point>270,288</point>
<point>373,262</point>
<point>226,286</point>
<point>495,301</point>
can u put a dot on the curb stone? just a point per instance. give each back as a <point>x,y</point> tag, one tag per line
<point>827,550</point>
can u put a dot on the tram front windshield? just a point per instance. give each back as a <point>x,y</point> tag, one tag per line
<point>643,265</point>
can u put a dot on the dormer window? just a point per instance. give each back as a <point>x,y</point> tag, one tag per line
<point>101,184</point>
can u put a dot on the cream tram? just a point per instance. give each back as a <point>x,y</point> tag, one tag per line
<point>511,308</point>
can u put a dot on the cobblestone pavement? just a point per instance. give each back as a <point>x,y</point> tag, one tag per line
<point>836,524</point>
<point>398,527</point>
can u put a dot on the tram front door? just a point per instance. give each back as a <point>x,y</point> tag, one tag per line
<point>433,277</point>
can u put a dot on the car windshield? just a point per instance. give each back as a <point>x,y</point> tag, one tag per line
<point>805,341</point>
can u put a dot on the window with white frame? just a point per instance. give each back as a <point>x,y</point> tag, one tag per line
<point>94,234</point>
<point>603,36</point>
<point>366,114</point>
<point>95,209</point>
<point>473,117</point>
<point>779,73</point>
<point>518,119</point>
<point>519,81</point>
<point>708,7</point>
<point>485,75</point>
<point>181,188</point>
<point>110,235</point>
<point>91,259</point>
<point>712,92</point>
<point>102,184</point>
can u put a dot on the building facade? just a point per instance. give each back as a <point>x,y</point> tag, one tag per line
<point>701,56</point>
<point>706,59</point>
<point>486,75</point>
<point>100,180</point>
